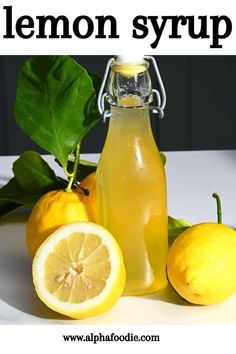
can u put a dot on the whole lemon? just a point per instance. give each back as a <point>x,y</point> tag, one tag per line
<point>201,263</point>
<point>52,210</point>
<point>87,192</point>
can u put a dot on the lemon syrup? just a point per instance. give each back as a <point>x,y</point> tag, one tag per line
<point>131,195</point>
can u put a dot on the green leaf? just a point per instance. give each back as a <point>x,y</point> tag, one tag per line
<point>85,168</point>
<point>96,79</point>
<point>33,178</point>
<point>163,158</point>
<point>35,175</point>
<point>91,113</point>
<point>12,192</point>
<point>55,103</point>
<point>12,195</point>
<point>176,227</point>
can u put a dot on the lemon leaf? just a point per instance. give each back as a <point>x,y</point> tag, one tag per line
<point>163,158</point>
<point>35,175</point>
<point>176,227</point>
<point>12,192</point>
<point>33,178</point>
<point>55,103</point>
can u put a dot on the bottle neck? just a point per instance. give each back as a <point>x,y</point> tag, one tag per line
<point>129,85</point>
<point>129,122</point>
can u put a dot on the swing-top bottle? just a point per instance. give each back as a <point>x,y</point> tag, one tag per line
<point>131,183</point>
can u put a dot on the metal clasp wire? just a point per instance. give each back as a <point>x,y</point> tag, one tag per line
<point>102,96</point>
<point>160,96</point>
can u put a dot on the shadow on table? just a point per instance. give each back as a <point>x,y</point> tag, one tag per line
<point>168,295</point>
<point>16,286</point>
<point>17,216</point>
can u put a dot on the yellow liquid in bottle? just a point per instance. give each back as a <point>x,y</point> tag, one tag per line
<point>131,193</point>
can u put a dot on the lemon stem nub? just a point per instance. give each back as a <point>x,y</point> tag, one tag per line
<point>75,168</point>
<point>219,211</point>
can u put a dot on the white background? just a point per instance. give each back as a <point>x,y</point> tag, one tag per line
<point>124,11</point>
<point>173,339</point>
<point>178,339</point>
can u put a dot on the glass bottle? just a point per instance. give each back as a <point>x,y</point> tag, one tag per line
<point>131,183</point>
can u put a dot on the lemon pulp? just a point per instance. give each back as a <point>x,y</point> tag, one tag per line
<point>79,271</point>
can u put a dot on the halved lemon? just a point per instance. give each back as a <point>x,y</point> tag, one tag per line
<point>79,270</point>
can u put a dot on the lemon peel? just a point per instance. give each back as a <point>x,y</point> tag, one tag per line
<point>53,210</point>
<point>201,263</point>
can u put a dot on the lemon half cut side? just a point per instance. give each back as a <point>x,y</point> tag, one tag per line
<point>79,270</point>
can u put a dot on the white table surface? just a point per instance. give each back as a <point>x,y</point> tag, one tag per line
<point>192,177</point>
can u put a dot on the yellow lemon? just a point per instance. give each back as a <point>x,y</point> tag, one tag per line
<point>87,192</point>
<point>201,263</point>
<point>79,271</point>
<point>52,210</point>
